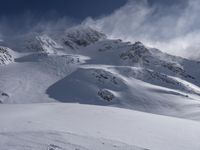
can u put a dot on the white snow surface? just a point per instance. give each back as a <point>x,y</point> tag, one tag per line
<point>86,127</point>
<point>100,71</point>
<point>44,74</point>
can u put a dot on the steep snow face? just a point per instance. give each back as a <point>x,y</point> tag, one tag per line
<point>71,39</point>
<point>48,44</point>
<point>34,42</point>
<point>113,86</point>
<point>31,75</point>
<point>88,86</point>
<point>26,43</point>
<point>158,78</point>
<point>5,56</point>
<point>139,55</point>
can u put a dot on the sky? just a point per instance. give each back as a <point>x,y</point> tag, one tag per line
<point>172,26</point>
<point>77,9</point>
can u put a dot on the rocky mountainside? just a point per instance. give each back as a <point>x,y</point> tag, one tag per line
<point>5,55</point>
<point>47,74</point>
<point>83,65</point>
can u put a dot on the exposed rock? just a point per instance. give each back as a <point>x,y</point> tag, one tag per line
<point>5,56</point>
<point>81,37</point>
<point>137,53</point>
<point>106,95</point>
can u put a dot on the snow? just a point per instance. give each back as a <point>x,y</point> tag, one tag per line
<point>88,127</point>
<point>147,80</point>
<point>46,74</point>
<point>32,82</point>
<point>81,36</point>
<point>58,141</point>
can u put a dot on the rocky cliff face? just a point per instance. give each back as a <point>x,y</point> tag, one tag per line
<point>5,56</point>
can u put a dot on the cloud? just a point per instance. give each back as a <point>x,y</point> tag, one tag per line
<point>17,25</point>
<point>16,31</point>
<point>174,29</point>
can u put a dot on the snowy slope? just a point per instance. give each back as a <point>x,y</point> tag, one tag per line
<point>31,75</point>
<point>81,65</point>
<point>86,127</point>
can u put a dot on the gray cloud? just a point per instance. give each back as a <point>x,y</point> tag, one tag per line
<point>13,26</point>
<point>15,31</point>
<point>174,29</point>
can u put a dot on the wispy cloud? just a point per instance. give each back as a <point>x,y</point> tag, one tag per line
<point>29,22</point>
<point>174,29</point>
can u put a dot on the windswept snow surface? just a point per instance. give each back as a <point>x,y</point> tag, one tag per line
<point>80,65</point>
<point>83,66</point>
<point>86,127</point>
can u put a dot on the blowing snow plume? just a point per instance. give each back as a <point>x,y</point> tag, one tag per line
<point>174,29</point>
<point>13,26</point>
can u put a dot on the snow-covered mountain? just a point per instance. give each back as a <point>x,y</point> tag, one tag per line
<point>71,39</point>
<point>82,65</point>
<point>81,36</point>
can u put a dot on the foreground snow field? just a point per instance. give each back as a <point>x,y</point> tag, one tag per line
<point>87,127</point>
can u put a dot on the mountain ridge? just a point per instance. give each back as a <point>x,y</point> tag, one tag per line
<point>93,69</point>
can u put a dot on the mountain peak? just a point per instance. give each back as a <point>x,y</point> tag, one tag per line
<point>82,36</point>
<point>138,43</point>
